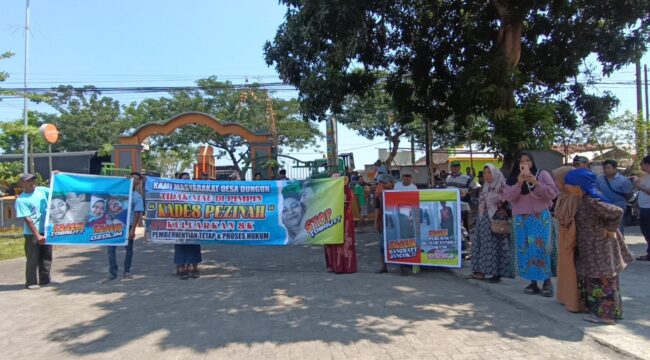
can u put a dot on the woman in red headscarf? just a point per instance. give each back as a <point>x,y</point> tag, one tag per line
<point>342,258</point>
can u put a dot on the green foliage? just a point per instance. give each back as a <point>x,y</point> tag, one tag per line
<point>619,131</point>
<point>374,115</point>
<point>3,74</point>
<point>11,138</point>
<point>85,119</point>
<point>11,246</point>
<point>10,176</point>
<point>170,161</point>
<point>498,60</point>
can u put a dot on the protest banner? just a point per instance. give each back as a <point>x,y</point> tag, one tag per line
<point>88,210</point>
<point>244,212</point>
<point>422,227</point>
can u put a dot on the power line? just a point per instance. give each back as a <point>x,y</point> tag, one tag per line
<point>272,86</point>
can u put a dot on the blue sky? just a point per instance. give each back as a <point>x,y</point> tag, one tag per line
<point>161,42</point>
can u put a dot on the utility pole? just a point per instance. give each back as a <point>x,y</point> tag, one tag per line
<point>428,151</point>
<point>640,124</point>
<point>647,113</point>
<point>413,150</point>
<point>25,115</point>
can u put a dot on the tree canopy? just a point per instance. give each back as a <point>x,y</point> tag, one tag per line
<point>251,108</point>
<point>514,63</point>
<point>87,120</point>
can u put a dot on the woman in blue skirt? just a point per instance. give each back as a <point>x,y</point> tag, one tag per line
<point>187,256</point>
<point>531,191</point>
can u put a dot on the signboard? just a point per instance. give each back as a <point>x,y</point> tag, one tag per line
<point>244,212</point>
<point>422,227</point>
<point>88,210</point>
<point>50,133</point>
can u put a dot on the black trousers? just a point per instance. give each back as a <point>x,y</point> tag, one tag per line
<point>644,220</point>
<point>39,262</point>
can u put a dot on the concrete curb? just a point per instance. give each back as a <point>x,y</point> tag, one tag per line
<point>522,305</point>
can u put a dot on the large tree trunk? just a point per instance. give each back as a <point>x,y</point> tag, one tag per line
<point>510,32</point>
<point>509,45</point>
<point>394,140</point>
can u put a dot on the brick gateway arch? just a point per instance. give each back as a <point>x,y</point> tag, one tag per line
<point>127,153</point>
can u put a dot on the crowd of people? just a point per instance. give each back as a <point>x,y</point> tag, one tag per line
<point>533,224</point>
<point>567,224</point>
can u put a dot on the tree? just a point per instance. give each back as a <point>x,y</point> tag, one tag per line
<point>169,162</point>
<point>3,74</point>
<point>251,108</point>
<point>507,61</point>
<point>375,115</point>
<point>85,119</point>
<point>11,138</point>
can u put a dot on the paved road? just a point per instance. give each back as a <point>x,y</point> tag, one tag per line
<point>269,302</point>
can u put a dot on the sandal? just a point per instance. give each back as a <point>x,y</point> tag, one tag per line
<point>184,275</point>
<point>547,291</point>
<point>532,289</point>
<point>196,274</point>
<point>643,258</point>
<point>476,276</point>
<point>493,280</point>
<point>596,320</point>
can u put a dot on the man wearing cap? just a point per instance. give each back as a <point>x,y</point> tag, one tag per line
<point>283,175</point>
<point>406,183</point>
<point>580,162</point>
<point>32,205</point>
<point>466,184</point>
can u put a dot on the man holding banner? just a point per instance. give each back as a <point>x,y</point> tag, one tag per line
<point>134,217</point>
<point>32,205</point>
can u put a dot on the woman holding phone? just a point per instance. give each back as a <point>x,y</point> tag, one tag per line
<point>531,191</point>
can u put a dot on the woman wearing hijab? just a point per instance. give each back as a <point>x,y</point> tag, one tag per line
<point>602,253</point>
<point>187,256</point>
<point>342,258</point>
<point>531,192</point>
<point>565,211</point>
<point>491,252</point>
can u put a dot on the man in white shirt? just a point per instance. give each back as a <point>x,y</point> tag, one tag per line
<point>643,184</point>
<point>406,183</point>
<point>466,184</point>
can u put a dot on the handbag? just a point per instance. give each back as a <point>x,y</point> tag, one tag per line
<point>501,224</point>
<point>501,227</point>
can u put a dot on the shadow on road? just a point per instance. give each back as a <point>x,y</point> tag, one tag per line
<point>257,295</point>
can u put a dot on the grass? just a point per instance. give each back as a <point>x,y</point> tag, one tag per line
<point>11,246</point>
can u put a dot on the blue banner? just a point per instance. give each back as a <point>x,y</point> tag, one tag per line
<point>88,210</point>
<point>244,212</point>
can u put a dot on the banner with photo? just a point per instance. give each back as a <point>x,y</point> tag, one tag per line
<point>422,227</point>
<point>244,212</point>
<point>88,210</point>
